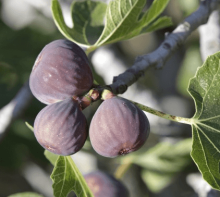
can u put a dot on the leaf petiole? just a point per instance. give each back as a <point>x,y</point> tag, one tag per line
<point>189,121</point>
<point>90,49</point>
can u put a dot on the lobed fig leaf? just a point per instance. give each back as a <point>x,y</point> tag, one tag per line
<point>204,88</point>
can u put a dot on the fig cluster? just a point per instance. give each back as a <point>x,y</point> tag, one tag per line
<point>105,185</point>
<point>59,78</point>
<point>60,73</point>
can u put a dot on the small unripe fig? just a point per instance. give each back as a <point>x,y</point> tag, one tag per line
<point>60,71</point>
<point>118,128</point>
<point>104,185</point>
<point>61,128</point>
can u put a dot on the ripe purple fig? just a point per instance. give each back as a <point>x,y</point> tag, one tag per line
<point>61,70</point>
<point>61,128</point>
<point>104,185</point>
<point>118,128</point>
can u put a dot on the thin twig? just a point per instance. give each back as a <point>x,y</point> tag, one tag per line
<point>171,43</point>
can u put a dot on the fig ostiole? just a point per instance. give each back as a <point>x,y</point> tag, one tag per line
<point>118,127</point>
<point>61,70</point>
<point>61,128</point>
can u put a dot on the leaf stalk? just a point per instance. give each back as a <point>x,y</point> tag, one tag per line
<point>155,112</point>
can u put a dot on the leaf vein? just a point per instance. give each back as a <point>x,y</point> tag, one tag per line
<point>78,178</point>
<point>201,120</point>
<point>205,156</point>
<point>120,9</point>
<point>57,183</point>
<point>58,174</point>
<point>64,176</point>
<point>208,126</point>
<point>110,16</point>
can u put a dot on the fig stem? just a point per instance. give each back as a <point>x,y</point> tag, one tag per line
<point>183,120</point>
<point>106,94</point>
<point>122,169</point>
<point>90,49</point>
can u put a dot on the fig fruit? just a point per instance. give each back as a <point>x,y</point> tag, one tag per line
<point>118,128</point>
<point>61,128</point>
<point>105,185</point>
<point>61,70</point>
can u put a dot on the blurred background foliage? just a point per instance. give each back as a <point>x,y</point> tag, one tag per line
<point>160,168</point>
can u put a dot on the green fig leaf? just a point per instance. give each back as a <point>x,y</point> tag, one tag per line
<point>87,18</point>
<point>160,23</point>
<point>66,178</point>
<point>204,88</point>
<point>154,11</point>
<point>25,194</point>
<point>124,21</point>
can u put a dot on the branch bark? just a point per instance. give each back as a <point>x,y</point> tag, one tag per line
<point>171,43</point>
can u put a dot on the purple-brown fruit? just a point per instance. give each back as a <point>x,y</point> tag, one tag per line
<point>61,128</point>
<point>60,71</point>
<point>118,128</point>
<point>104,185</point>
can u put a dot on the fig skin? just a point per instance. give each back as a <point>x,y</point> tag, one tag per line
<point>61,128</point>
<point>118,128</point>
<point>105,185</point>
<point>61,70</point>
